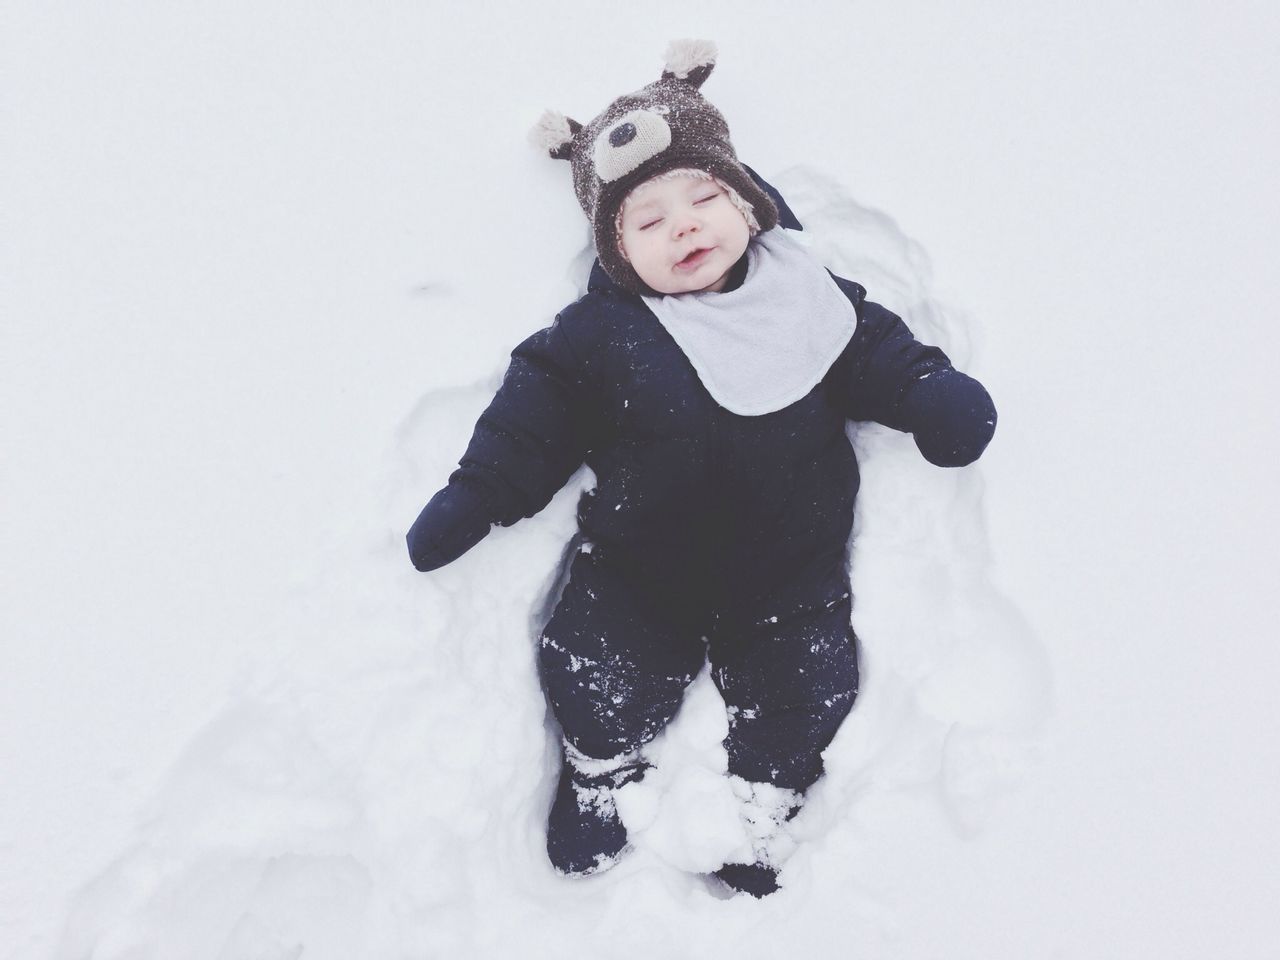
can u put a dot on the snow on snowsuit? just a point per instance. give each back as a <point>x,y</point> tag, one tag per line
<point>702,524</point>
<point>707,533</point>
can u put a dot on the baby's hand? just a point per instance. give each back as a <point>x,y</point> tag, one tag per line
<point>453,522</point>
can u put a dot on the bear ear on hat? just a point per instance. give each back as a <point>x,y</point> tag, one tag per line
<point>689,60</point>
<point>554,133</point>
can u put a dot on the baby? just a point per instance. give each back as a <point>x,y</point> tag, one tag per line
<point>706,377</point>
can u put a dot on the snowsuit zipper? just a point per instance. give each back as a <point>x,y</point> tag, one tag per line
<point>721,512</point>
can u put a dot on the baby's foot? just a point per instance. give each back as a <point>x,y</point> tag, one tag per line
<point>585,835</point>
<point>765,809</point>
<point>757,879</point>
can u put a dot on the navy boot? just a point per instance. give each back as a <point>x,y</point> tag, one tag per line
<point>757,879</point>
<point>765,810</point>
<point>585,835</point>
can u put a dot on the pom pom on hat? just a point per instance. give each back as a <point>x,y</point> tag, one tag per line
<point>685,56</point>
<point>553,134</point>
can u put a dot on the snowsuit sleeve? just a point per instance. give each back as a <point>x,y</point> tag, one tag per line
<point>888,376</point>
<point>532,437</point>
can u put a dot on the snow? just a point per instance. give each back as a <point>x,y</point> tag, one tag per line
<point>262,266</point>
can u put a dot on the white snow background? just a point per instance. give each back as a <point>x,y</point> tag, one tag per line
<point>262,265</point>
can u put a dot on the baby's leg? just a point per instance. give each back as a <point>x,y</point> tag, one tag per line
<point>615,662</point>
<point>788,672</point>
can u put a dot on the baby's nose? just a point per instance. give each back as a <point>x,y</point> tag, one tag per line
<point>686,223</point>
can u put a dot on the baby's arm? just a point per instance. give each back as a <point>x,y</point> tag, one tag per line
<point>888,376</point>
<point>527,443</point>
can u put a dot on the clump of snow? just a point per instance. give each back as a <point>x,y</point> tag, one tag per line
<point>684,810</point>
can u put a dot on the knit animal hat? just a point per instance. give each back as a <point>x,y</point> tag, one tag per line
<point>661,127</point>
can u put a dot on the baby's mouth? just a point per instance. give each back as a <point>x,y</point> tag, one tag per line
<point>693,259</point>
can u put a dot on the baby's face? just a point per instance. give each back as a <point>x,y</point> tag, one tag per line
<point>682,235</point>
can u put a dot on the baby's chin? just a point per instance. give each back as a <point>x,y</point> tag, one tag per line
<point>719,283</point>
<point>699,286</point>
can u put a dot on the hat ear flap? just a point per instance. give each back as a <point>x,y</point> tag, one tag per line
<point>554,133</point>
<point>690,61</point>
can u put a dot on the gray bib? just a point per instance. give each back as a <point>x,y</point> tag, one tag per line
<point>765,345</point>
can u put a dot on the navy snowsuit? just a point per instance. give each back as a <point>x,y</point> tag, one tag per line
<point>707,533</point>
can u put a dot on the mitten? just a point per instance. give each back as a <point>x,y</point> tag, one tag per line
<point>952,417</point>
<point>454,521</point>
